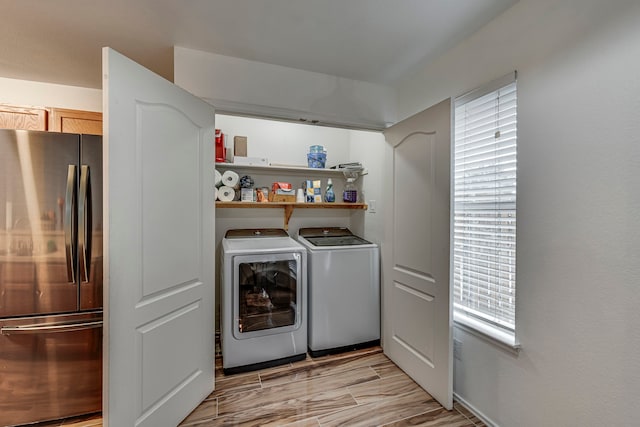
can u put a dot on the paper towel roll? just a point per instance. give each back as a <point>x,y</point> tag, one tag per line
<point>230,179</point>
<point>215,196</point>
<point>226,194</point>
<point>218,179</point>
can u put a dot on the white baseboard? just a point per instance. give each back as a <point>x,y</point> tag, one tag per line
<point>474,410</point>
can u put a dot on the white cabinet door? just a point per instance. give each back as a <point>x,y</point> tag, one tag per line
<point>159,247</point>
<point>417,328</point>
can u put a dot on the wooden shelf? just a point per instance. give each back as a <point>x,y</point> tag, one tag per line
<point>290,206</point>
<point>267,205</point>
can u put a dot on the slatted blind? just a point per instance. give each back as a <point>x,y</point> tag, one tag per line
<point>485,204</point>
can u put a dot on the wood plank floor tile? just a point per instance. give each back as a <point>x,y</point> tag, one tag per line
<point>241,402</point>
<point>236,383</point>
<point>207,410</point>
<point>94,420</point>
<point>437,418</point>
<point>287,412</point>
<point>334,358</point>
<point>384,388</point>
<point>321,368</point>
<point>309,422</point>
<point>381,412</point>
<point>387,369</point>
<point>467,413</point>
<point>311,406</point>
<point>349,354</point>
<point>89,423</point>
<point>344,362</point>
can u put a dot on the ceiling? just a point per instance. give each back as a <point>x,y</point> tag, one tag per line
<point>378,41</point>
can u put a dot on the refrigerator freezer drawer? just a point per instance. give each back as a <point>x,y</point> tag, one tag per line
<point>50,367</point>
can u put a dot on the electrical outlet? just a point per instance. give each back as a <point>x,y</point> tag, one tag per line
<point>457,349</point>
<point>372,206</point>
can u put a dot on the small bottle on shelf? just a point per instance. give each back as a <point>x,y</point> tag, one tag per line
<point>350,193</point>
<point>329,195</point>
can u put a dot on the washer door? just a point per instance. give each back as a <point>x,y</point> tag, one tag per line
<point>267,294</point>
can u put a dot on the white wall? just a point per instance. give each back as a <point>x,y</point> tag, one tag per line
<point>578,269</point>
<point>283,142</point>
<point>24,92</point>
<point>255,88</point>
<point>369,149</point>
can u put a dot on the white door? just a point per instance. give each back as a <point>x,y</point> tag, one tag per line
<point>417,328</point>
<point>159,247</point>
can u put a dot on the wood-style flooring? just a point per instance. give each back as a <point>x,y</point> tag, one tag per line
<point>359,388</point>
<point>94,420</point>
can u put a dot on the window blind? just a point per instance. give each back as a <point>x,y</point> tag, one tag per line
<point>484,242</point>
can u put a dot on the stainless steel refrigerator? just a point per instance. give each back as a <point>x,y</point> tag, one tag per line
<point>50,275</point>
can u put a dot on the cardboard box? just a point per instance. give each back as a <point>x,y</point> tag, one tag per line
<point>282,192</point>
<point>240,146</point>
<point>282,188</point>
<point>313,191</point>
<point>262,194</point>
<point>273,197</point>
<point>246,195</point>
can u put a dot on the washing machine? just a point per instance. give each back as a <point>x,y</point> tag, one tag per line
<point>344,290</point>
<point>264,299</point>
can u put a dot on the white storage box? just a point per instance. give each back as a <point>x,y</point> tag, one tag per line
<point>251,161</point>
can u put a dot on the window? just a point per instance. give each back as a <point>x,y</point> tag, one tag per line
<point>484,237</point>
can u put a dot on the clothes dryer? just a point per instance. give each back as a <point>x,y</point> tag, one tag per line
<point>264,299</point>
<point>344,290</point>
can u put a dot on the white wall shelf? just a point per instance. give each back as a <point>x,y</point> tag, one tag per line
<point>280,169</point>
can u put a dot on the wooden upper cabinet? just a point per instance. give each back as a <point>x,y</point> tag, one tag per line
<point>51,119</point>
<point>75,121</point>
<point>17,117</point>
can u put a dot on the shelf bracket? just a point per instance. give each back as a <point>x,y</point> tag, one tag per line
<point>288,210</point>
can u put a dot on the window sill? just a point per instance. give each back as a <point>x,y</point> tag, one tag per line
<point>502,339</point>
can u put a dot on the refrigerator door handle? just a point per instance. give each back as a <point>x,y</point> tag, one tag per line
<point>84,223</point>
<point>69,223</point>
<point>49,328</point>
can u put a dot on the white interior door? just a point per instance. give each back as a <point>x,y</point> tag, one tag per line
<point>159,247</point>
<point>417,328</point>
